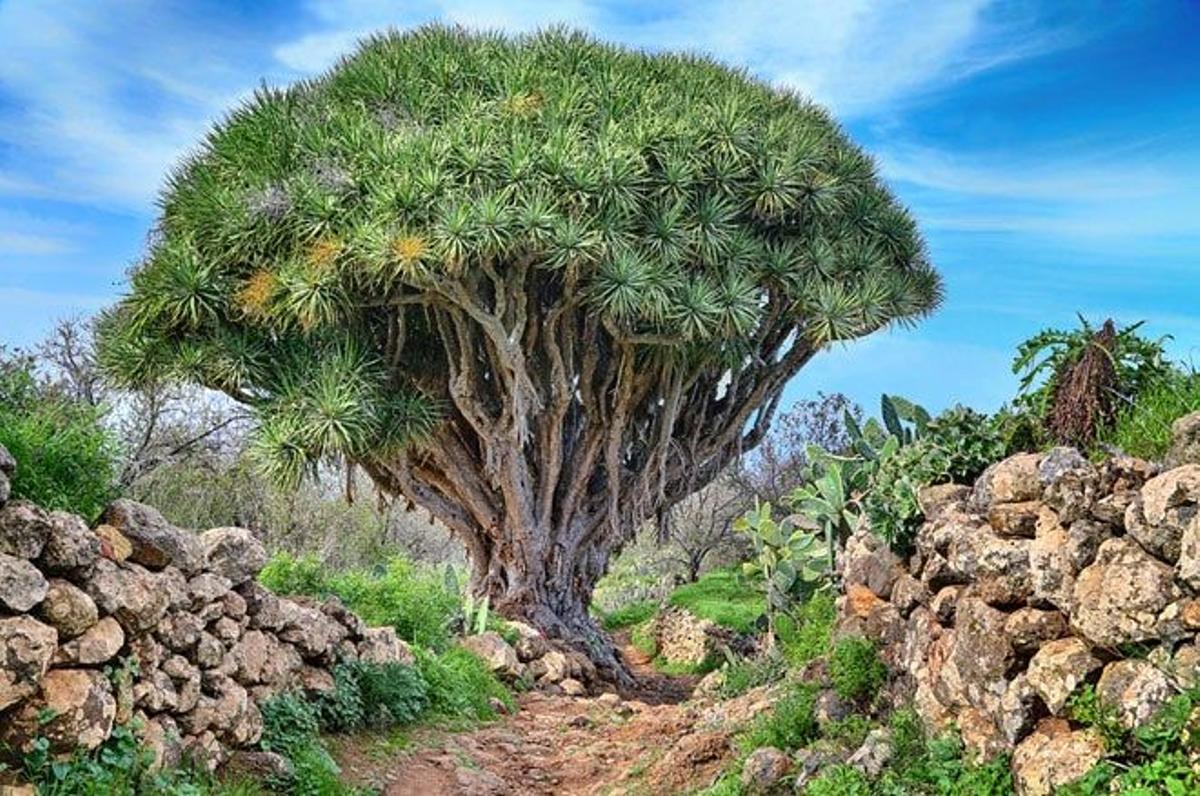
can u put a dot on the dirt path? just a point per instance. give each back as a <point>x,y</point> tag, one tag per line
<point>646,742</point>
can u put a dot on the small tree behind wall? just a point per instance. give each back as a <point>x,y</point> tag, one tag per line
<point>542,286</point>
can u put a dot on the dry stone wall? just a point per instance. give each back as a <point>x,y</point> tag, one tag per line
<point>1049,573</point>
<point>136,618</point>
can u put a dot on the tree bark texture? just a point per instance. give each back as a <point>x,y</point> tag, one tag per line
<point>564,432</point>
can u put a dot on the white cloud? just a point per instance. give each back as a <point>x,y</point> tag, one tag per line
<point>104,99</point>
<point>856,56</point>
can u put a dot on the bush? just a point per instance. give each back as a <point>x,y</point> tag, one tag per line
<point>791,725</point>
<point>722,596</point>
<point>120,767</point>
<point>460,686</point>
<point>855,669</point>
<point>65,458</point>
<point>289,722</point>
<point>392,693</point>
<point>805,635</point>
<point>1158,757</point>
<point>839,780</point>
<point>415,599</point>
<point>746,674</point>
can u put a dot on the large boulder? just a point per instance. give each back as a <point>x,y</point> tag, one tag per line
<point>74,709</point>
<point>1189,555</point>
<point>24,528</point>
<point>1167,504</point>
<point>982,653</point>
<point>869,561</point>
<point>1014,480</point>
<point>1185,441</point>
<point>98,645</point>
<point>156,542</point>
<point>497,653</point>
<point>131,594</point>
<point>313,633</point>
<point>1070,483</point>
<point>1117,600</point>
<point>233,553</point>
<point>1135,689</point>
<point>71,548</point>
<point>382,645</point>
<point>26,649</point>
<point>763,770</point>
<point>1057,554</point>
<point>1054,755</point>
<point>265,610</point>
<point>67,608</point>
<point>1058,668</point>
<point>260,659</point>
<point>1029,628</point>
<point>22,586</point>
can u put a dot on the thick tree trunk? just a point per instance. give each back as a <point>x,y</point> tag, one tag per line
<point>538,578</point>
<point>553,596</point>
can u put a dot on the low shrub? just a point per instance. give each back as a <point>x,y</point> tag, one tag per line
<point>722,596</point>
<point>790,725</point>
<point>289,722</point>
<point>66,459</point>
<point>805,634</point>
<point>416,600</point>
<point>460,686</point>
<point>121,767</point>
<point>1158,757</point>
<point>839,780</point>
<point>745,674</point>
<point>855,669</point>
<point>642,639</point>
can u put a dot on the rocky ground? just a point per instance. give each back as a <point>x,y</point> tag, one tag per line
<point>653,740</point>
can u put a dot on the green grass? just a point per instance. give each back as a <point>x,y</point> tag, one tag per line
<point>1144,429</point>
<point>855,669</point>
<point>634,613</point>
<point>418,601</point>
<point>807,633</point>
<point>724,597</point>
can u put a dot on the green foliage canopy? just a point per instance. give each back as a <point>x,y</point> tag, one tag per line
<point>689,208</point>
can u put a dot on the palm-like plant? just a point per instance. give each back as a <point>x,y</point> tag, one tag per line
<point>542,286</point>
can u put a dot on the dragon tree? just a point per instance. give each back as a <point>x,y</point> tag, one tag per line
<point>542,286</point>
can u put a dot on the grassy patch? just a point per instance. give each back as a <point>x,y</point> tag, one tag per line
<point>722,596</point>
<point>806,635</point>
<point>418,601</point>
<point>791,725</point>
<point>855,669</point>
<point>1144,429</point>
<point>634,613</point>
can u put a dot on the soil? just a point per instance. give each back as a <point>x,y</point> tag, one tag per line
<point>648,741</point>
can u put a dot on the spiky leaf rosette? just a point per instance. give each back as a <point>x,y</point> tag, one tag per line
<point>599,261</point>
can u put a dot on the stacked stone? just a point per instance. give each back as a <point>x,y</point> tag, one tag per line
<point>138,619</point>
<point>1047,574</point>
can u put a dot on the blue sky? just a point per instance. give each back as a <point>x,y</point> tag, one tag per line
<point>1050,151</point>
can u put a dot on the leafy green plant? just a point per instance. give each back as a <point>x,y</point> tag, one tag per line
<point>743,674</point>
<point>392,693</point>
<point>806,632</point>
<point>460,686</point>
<point>791,723</point>
<point>829,497</point>
<point>855,669</point>
<point>788,564</point>
<point>1133,364</point>
<point>839,780</point>
<point>66,458</point>
<point>289,722</point>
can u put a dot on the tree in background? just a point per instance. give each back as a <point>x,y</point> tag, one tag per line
<point>779,465</point>
<point>542,286</point>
